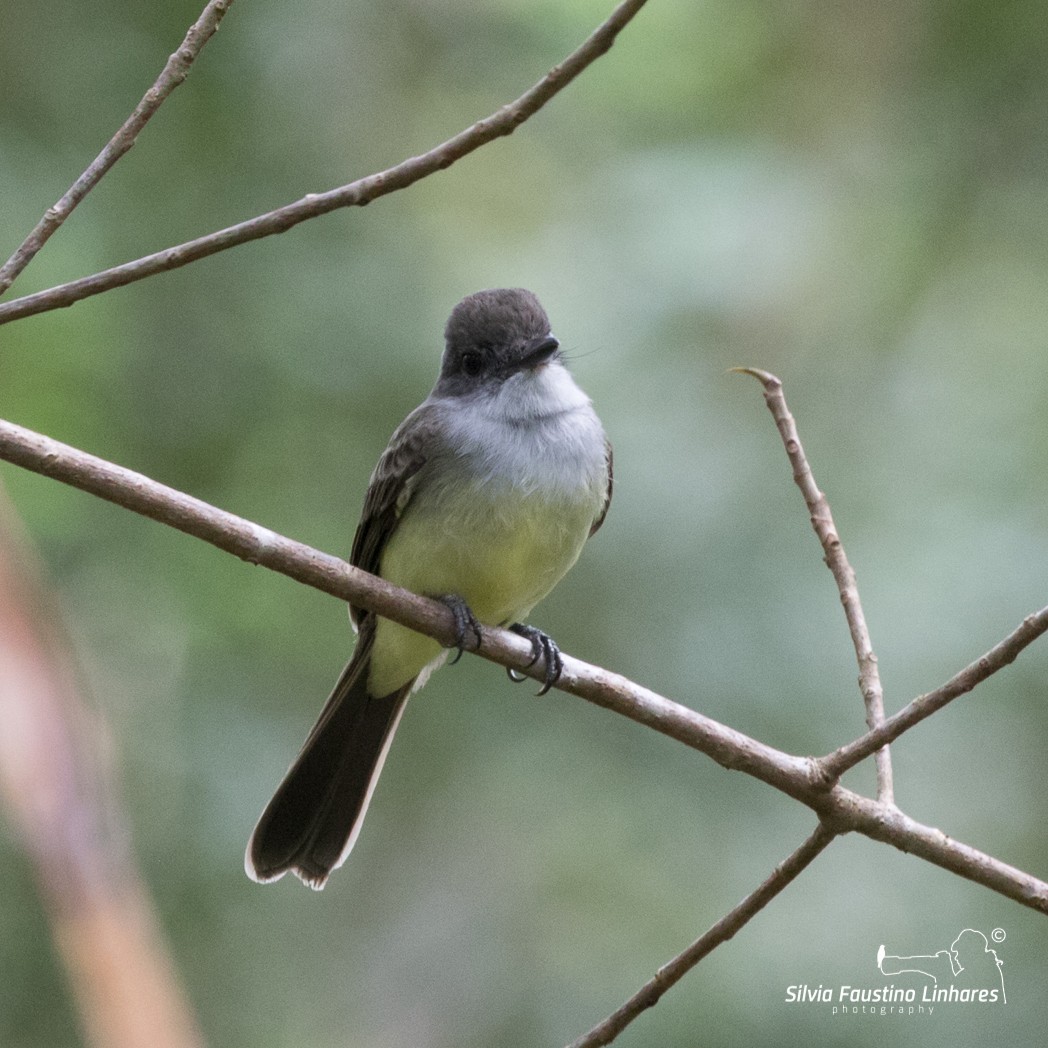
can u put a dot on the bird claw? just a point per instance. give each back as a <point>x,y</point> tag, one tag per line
<point>544,647</point>
<point>465,622</point>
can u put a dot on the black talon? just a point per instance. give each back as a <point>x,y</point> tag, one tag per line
<point>544,647</point>
<point>465,622</point>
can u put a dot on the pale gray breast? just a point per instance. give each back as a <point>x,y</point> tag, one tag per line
<point>559,456</point>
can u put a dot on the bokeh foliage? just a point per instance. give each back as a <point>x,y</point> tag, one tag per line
<point>851,195</point>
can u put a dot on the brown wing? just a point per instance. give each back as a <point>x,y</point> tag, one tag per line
<point>608,457</point>
<point>391,488</point>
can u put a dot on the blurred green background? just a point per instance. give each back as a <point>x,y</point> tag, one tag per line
<point>852,195</point>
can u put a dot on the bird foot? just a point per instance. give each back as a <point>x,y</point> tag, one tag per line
<point>544,647</point>
<point>465,622</point>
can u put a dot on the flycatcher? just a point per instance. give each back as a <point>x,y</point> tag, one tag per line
<point>483,499</point>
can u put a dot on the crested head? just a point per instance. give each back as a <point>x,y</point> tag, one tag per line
<point>498,316</point>
<point>492,336</point>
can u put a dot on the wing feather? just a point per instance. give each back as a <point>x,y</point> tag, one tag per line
<point>608,458</point>
<point>391,489</point>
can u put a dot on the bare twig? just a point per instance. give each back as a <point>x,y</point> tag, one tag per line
<point>502,122</point>
<point>999,656</point>
<point>886,823</point>
<point>173,74</point>
<point>799,777</point>
<point>671,973</point>
<point>837,562</point>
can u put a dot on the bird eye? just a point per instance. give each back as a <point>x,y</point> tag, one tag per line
<point>472,363</point>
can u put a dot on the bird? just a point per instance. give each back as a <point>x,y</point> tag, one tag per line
<point>483,499</point>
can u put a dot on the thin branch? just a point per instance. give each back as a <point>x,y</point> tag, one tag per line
<point>799,777</point>
<point>886,823</point>
<point>999,656</point>
<point>356,194</point>
<point>837,562</point>
<point>173,74</point>
<point>672,972</point>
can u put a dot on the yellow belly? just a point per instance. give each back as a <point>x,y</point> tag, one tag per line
<point>502,557</point>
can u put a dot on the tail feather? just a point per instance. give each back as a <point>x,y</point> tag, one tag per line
<point>312,822</point>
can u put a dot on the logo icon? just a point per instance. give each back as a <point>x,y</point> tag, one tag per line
<point>968,971</point>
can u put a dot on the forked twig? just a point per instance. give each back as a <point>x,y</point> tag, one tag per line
<point>802,778</point>
<point>837,562</point>
<point>808,781</point>
<point>671,972</point>
<point>502,122</point>
<point>173,74</point>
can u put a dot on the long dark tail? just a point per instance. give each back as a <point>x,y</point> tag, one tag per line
<point>312,822</point>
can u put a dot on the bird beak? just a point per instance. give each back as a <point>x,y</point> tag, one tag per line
<point>538,352</point>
